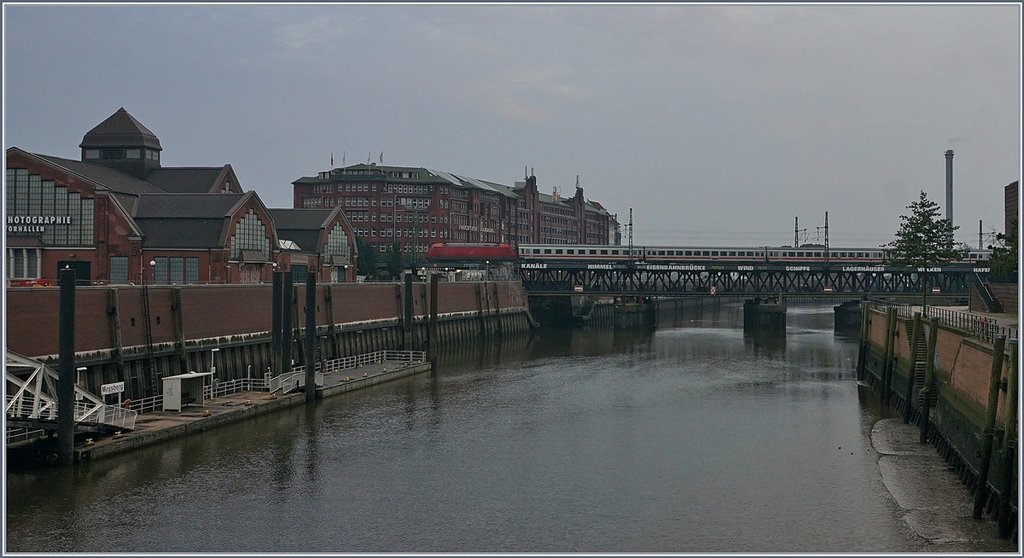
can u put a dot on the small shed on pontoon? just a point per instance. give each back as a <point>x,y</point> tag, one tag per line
<point>184,389</point>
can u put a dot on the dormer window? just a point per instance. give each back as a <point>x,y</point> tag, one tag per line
<point>92,153</point>
<point>133,153</point>
<point>111,154</point>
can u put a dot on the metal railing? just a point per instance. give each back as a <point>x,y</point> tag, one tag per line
<point>84,412</point>
<point>218,389</point>
<point>346,363</point>
<point>974,325</point>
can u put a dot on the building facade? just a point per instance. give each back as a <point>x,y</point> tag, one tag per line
<point>117,216</point>
<point>414,207</point>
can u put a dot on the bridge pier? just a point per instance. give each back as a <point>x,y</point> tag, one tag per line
<point>635,312</point>
<point>764,314</point>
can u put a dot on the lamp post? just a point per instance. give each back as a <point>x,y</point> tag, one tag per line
<point>78,380</point>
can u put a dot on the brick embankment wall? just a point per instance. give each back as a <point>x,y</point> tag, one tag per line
<point>185,323</point>
<point>957,408</point>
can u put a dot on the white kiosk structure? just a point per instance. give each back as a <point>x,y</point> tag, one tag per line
<point>184,389</point>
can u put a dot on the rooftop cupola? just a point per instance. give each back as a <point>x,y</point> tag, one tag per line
<point>123,143</point>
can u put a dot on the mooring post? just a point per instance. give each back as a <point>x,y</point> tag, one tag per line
<point>981,488</point>
<point>929,379</point>
<point>310,342</point>
<point>432,340</point>
<point>408,314</point>
<point>890,344</point>
<point>914,355</point>
<point>66,369</point>
<point>275,321</point>
<point>287,300</point>
<point>1009,442</point>
<point>862,349</point>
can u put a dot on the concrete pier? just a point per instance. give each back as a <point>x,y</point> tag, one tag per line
<point>767,314</point>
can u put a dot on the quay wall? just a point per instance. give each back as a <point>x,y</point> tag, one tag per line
<point>950,403</point>
<point>187,322</point>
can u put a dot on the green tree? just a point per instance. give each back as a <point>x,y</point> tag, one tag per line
<point>368,258</point>
<point>923,240</point>
<point>394,260</point>
<point>1004,254</point>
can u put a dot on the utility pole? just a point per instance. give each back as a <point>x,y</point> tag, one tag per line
<point>796,232</point>
<point>631,237</point>
<point>825,228</point>
<point>979,236</point>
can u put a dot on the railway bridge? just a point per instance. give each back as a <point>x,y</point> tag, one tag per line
<point>675,280</point>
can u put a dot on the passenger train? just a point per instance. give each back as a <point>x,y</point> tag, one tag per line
<point>588,253</point>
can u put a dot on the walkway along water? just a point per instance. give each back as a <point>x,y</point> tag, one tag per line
<point>238,356</point>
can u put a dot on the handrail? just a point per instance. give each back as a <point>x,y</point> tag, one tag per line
<point>979,327</point>
<point>991,304</point>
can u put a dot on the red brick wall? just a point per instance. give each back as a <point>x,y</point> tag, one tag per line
<point>216,311</point>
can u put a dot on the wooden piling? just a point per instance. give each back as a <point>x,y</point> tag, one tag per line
<point>890,338</point>
<point>287,298</point>
<point>912,371</point>
<point>929,379</point>
<point>1009,450</point>
<point>66,369</point>
<point>981,489</point>
<point>310,338</point>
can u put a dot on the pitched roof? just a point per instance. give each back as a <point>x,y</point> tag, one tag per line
<point>112,179</point>
<point>182,180</point>
<point>301,226</point>
<point>181,233</point>
<point>120,130</point>
<point>185,206</point>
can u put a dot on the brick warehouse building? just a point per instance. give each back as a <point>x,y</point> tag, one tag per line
<point>118,217</point>
<point>416,207</point>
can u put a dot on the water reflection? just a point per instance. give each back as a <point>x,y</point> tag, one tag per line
<point>692,438</point>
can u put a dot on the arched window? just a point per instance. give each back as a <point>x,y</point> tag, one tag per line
<point>337,242</point>
<point>250,234</point>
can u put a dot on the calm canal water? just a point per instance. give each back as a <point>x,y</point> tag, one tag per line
<point>691,438</point>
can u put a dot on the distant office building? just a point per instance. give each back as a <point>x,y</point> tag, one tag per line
<point>415,207</point>
<point>1010,200</point>
<point>117,216</point>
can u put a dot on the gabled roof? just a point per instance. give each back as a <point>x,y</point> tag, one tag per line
<point>185,180</point>
<point>120,130</point>
<point>184,220</point>
<point>112,179</point>
<point>301,226</point>
<point>181,233</point>
<point>185,206</point>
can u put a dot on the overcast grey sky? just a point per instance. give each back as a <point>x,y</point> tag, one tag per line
<point>717,124</point>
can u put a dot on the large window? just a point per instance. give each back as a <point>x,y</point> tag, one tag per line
<point>22,263</point>
<point>175,270</point>
<point>41,209</point>
<point>337,242</point>
<point>250,234</point>
<point>118,270</point>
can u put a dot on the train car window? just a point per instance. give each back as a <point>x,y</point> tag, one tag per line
<point>705,253</point>
<point>604,252</point>
<point>547,250</point>
<point>616,252</point>
<point>593,252</point>
<point>536,250</point>
<point>558,250</point>
<point>689,253</point>
<point>661,252</point>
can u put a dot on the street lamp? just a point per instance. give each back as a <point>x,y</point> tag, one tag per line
<point>213,353</point>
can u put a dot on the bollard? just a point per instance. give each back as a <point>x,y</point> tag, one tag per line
<point>66,370</point>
